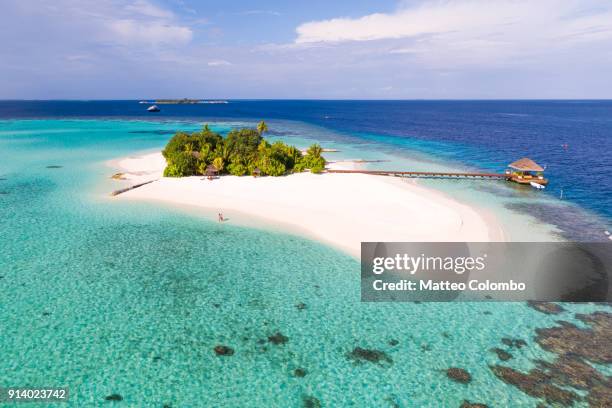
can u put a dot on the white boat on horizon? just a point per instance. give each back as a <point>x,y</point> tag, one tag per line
<point>153,108</point>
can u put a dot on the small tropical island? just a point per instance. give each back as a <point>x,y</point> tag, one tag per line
<point>241,152</point>
<point>341,207</point>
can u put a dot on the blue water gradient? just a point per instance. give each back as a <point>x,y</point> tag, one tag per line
<point>113,297</point>
<point>484,134</point>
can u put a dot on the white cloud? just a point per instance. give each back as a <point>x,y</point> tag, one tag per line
<point>438,49</point>
<point>114,22</point>
<point>255,12</point>
<point>218,63</point>
<point>502,20</point>
<point>403,50</point>
<point>152,32</point>
<point>142,22</point>
<point>481,33</point>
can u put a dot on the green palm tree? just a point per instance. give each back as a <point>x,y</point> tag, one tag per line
<point>223,151</point>
<point>202,168</point>
<point>263,147</point>
<point>315,150</point>
<point>205,152</point>
<point>262,128</point>
<point>293,153</point>
<point>189,148</point>
<point>218,163</point>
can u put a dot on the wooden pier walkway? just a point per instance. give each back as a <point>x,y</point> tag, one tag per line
<point>123,190</point>
<point>427,174</point>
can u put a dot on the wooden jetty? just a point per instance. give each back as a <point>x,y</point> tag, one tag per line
<point>123,190</point>
<point>426,174</point>
<point>524,171</point>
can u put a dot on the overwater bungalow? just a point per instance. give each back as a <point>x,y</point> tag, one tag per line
<point>526,171</point>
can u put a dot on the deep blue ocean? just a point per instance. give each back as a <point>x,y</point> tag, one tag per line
<point>485,135</point>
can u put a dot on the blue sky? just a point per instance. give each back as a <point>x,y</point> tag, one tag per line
<point>379,49</point>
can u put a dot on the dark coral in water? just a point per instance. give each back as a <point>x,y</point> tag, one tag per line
<point>299,372</point>
<point>537,384</point>
<point>114,397</point>
<point>575,347</point>
<point>373,356</point>
<point>301,306</point>
<point>459,374</point>
<point>592,344</point>
<point>54,167</point>
<point>601,396</point>
<point>571,371</point>
<point>221,350</point>
<point>311,402</point>
<point>546,307</point>
<point>518,343</point>
<point>503,355</point>
<point>278,338</point>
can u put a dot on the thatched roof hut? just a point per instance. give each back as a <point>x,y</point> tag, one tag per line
<point>197,155</point>
<point>256,172</point>
<point>525,164</point>
<point>211,170</point>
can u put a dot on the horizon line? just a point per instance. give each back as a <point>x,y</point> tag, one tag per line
<point>306,99</point>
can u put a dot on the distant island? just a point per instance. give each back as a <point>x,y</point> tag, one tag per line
<point>185,101</point>
<point>241,152</point>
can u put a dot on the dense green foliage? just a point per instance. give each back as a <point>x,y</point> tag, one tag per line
<point>313,160</point>
<point>239,154</point>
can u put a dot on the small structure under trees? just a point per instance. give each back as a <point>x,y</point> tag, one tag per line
<point>211,171</point>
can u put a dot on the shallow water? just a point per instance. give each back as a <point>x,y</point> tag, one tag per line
<point>112,297</point>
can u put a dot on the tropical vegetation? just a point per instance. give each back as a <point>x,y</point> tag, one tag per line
<point>239,153</point>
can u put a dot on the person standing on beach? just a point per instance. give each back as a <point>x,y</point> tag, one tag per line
<point>221,219</point>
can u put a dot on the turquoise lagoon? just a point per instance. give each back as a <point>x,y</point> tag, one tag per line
<point>110,297</point>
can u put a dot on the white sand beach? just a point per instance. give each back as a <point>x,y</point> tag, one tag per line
<point>339,209</point>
